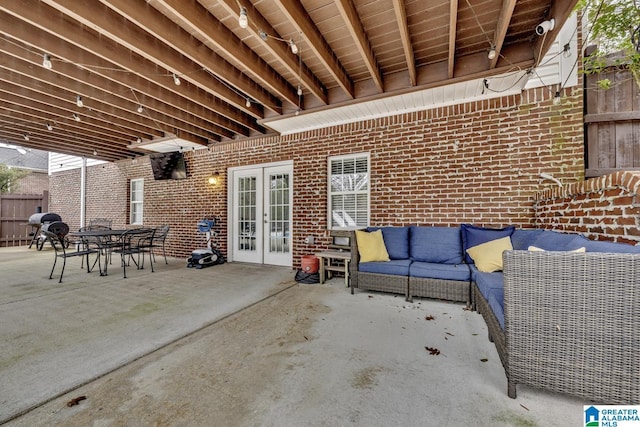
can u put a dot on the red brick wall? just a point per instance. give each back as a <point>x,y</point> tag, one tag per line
<point>477,162</point>
<point>603,208</point>
<point>33,183</point>
<point>106,195</point>
<point>64,196</point>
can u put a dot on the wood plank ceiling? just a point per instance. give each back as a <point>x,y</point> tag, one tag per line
<point>124,59</point>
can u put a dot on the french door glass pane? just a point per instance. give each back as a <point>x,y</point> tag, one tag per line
<point>279,233</point>
<point>247,213</point>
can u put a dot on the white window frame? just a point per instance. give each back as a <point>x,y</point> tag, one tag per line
<point>359,222</point>
<point>136,203</point>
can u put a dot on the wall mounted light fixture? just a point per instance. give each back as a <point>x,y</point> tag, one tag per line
<point>214,179</point>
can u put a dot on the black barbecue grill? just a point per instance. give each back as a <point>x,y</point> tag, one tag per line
<point>37,221</point>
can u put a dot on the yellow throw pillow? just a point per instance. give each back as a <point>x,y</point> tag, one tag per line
<point>536,249</point>
<point>371,246</point>
<point>488,256</point>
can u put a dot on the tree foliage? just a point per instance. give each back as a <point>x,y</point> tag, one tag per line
<point>9,177</point>
<point>614,26</point>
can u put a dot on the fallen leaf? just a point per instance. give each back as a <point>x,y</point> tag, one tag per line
<point>524,407</point>
<point>484,360</point>
<point>432,351</point>
<point>75,401</point>
<point>429,317</point>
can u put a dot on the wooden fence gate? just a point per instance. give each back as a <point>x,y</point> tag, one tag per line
<point>15,210</point>
<point>612,124</point>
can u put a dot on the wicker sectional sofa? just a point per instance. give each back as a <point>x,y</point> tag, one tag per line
<point>562,321</point>
<point>424,261</point>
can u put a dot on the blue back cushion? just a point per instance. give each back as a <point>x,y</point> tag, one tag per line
<point>521,239</point>
<point>555,241</point>
<point>396,239</point>
<point>611,247</point>
<point>474,236</point>
<point>436,244</point>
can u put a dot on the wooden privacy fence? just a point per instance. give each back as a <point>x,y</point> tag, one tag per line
<point>612,123</point>
<point>15,210</point>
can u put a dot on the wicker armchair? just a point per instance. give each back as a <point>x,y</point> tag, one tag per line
<point>571,324</point>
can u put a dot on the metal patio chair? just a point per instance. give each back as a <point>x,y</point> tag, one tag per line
<point>60,246</point>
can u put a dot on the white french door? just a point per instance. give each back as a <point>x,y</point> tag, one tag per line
<point>262,215</point>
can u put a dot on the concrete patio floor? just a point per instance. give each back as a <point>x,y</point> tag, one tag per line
<point>243,345</point>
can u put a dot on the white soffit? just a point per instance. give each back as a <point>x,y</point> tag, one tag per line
<point>474,90</point>
<point>63,162</point>
<point>166,144</point>
<point>554,69</point>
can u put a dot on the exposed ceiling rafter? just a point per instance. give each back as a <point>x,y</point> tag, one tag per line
<point>125,58</point>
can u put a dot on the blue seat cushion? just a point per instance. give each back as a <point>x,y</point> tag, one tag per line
<point>436,244</point>
<point>487,281</point>
<point>521,239</point>
<point>432,270</point>
<point>396,267</point>
<point>496,303</point>
<point>473,236</point>
<point>396,239</point>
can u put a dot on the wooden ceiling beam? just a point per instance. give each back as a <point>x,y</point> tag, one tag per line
<point>30,98</point>
<point>300,19</point>
<point>113,61</point>
<point>30,87</point>
<point>198,20</point>
<point>109,79</point>
<point>474,66</point>
<point>279,50</point>
<point>93,87</point>
<point>501,29</point>
<point>400,10</point>
<point>70,149</point>
<point>74,149</point>
<point>111,24</point>
<point>62,139</point>
<point>356,30</point>
<point>20,114</point>
<point>453,28</point>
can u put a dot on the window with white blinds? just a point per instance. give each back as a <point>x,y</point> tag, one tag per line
<point>348,192</point>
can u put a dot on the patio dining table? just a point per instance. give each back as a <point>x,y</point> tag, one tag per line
<point>108,240</point>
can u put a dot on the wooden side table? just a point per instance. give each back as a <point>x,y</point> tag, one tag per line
<point>327,263</point>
